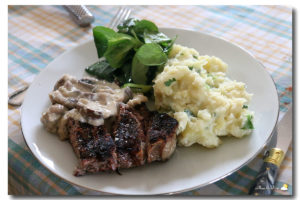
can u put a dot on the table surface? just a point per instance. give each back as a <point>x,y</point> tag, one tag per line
<point>38,34</point>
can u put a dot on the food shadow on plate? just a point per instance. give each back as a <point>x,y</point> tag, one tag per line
<point>184,163</point>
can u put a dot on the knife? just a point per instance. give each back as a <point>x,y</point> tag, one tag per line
<point>80,14</point>
<point>265,180</point>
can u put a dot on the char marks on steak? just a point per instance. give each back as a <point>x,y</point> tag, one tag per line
<point>105,133</point>
<point>93,146</point>
<point>138,135</point>
<point>143,115</point>
<point>129,139</point>
<point>161,137</point>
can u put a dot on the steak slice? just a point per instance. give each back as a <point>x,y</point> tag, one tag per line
<point>93,146</point>
<point>143,115</point>
<point>129,139</point>
<point>161,137</point>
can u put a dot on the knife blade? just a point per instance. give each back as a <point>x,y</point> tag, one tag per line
<point>264,183</point>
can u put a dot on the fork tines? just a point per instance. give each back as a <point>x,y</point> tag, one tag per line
<point>122,14</point>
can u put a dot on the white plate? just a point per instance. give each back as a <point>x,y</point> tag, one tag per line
<point>188,168</point>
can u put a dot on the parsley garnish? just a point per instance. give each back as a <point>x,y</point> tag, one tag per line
<point>169,82</point>
<point>208,86</point>
<point>245,106</point>
<point>191,68</point>
<point>212,76</point>
<point>248,124</point>
<point>196,57</point>
<point>189,113</point>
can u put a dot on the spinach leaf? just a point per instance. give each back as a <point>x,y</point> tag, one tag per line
<point>101,37</point>
<point>138,87</point>
<point>123,74</point>
<point>143,26</point>
<point>101,70</point>
<point>146,31</point>
<point>148,55</point>
<point>127,25</point>
<point>113,46</point>
<point>167,45</point>
<point>248,124</point>
<point>138,50</point>
<point>151,55</point>
<point>151,73</point>
<point>160,68</point>
<point>164,41</point>
<point>150,37</point>
<point>139,71</point>
<point>116,53</point>
<point>137,27</point>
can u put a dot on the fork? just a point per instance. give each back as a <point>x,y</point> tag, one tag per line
<point>16,99</point>
<point>122,14</point>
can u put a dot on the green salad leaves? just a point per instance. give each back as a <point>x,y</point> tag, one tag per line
<point>134,54</point>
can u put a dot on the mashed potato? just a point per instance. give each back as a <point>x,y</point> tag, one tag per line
<point>194,89</point>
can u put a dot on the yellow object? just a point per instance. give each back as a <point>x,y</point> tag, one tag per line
<point>284,187</point>
<point>275,156</point>
<point>195,90</point>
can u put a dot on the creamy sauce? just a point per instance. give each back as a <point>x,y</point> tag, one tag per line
<point>51,117</point>
<point>62,124</point>
<point>95,99</point>
<point>137,99</point>
<point>87,100</point>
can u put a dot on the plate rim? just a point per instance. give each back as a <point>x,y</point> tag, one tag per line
<point>179,191</point>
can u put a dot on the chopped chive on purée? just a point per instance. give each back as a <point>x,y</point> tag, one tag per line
<point>212,76</point>
<point>189,113</point>
<point>245,106</point>
<point>169,82</point>
<point>248,124</point>
<point>208,86</point>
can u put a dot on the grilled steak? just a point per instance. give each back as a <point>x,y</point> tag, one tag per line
<point>93,146</point>
<point>129,139</point>
<point>143,115</point>
<point>105,133</point>
<point>138,135</point>
<point>161,137</point>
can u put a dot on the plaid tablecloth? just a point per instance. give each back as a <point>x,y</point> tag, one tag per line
<point>38,34</point>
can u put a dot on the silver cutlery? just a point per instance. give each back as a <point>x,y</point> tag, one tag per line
<point>17,97</point>
<point>264,183</point>
<point>81,15</point>
<point>122,14</point>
